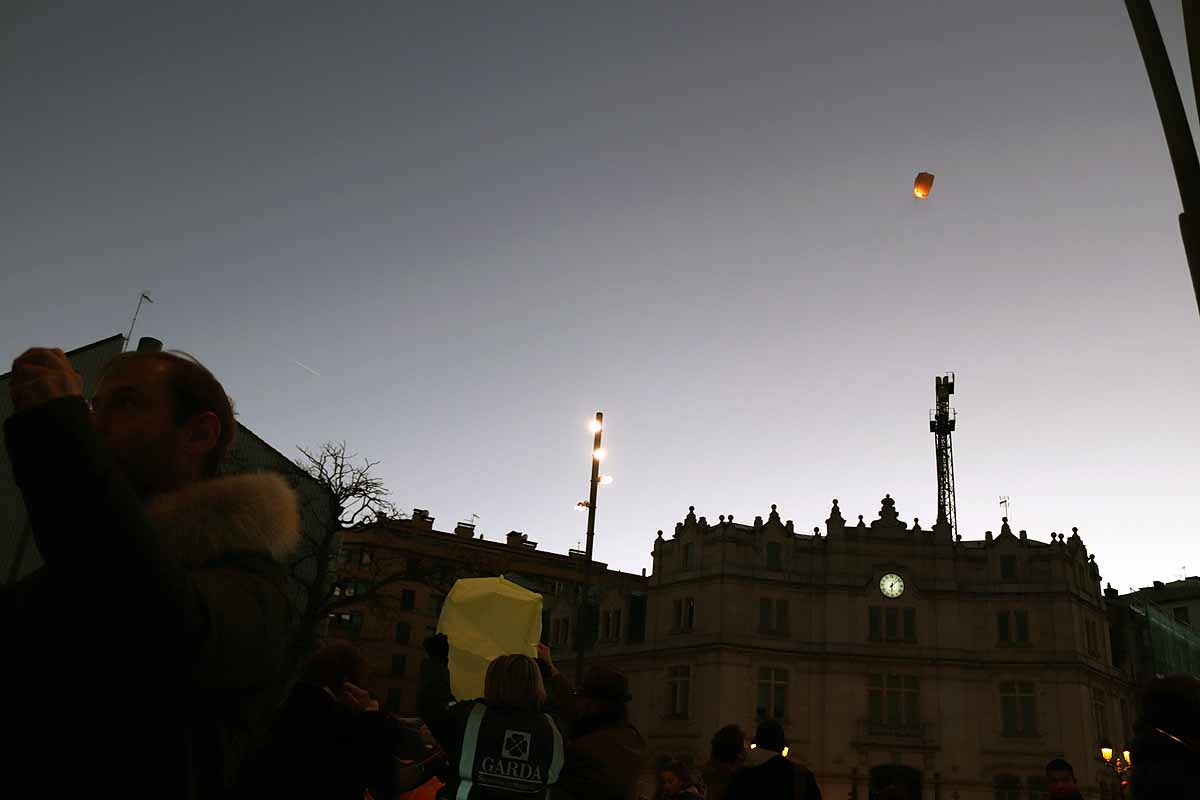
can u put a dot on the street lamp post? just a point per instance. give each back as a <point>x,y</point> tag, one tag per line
<point>1180,144</point>
<point>1119,764</point>
<point>597,426</point>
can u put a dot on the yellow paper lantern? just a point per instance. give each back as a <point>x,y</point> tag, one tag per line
<point>484,618</point>
<point>923,185</point>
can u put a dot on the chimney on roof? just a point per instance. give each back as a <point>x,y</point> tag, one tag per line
<point>421,518</point>
<point>465,529</point>
<point>1159,585</point>
<point>148,344</point>
<point>518,539</point>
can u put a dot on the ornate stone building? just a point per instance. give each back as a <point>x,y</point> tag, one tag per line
<point>893,654</point>
<point>414,566</point>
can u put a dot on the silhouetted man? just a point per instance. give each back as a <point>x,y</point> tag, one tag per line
<point>140,658</point>
<point>768,774</point>
<point>1060,780</point>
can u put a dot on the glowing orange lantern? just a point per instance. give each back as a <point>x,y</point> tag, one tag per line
<point>923,185</point>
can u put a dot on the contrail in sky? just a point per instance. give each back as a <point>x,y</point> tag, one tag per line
<point>305,367</point>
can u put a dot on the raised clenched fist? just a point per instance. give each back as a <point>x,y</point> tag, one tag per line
<point>40,375</point>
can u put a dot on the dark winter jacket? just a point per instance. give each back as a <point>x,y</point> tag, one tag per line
<point>769,776</point>
<point>604,754</point>
<point>717,777</point>
<point>143,656</point>
<point>321,748</point>
<point>481,747</point>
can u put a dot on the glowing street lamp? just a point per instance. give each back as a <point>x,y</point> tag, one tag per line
<point>1119,764</point>
<point>596,426</point>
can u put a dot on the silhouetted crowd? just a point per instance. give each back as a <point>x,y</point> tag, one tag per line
<point>150,655</point>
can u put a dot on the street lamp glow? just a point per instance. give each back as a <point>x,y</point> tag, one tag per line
<point>605,480</point>
<point>1106,753</point>
<point>595,426</point>
<point>600,454</point>
<point>1128,759</point>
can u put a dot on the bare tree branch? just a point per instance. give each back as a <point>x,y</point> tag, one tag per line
<point>356,497</point>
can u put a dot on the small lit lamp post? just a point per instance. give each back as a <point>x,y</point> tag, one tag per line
<point>596,426</point>
<point>1119,764</point>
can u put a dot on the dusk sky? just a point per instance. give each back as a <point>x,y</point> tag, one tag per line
<point>449,233</point>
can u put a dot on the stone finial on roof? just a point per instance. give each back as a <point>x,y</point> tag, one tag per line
<point>691,515</point>
<point>916,523</point>
<point>660,534</point>
<point>888,518</point>
<point>774,515</point>
<point>835,523</point>
<point>861,524</point>
<point>1004,526</point>
<point>722,519</point>
<point>816,531</point>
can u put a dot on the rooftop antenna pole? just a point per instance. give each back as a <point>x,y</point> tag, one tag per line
<point>941,425</point>
<point>145,297</point>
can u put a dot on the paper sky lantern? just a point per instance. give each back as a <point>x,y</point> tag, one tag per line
<point>484,618</point>
<point>923,185</point>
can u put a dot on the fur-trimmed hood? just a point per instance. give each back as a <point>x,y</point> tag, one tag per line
<point>251,512</point>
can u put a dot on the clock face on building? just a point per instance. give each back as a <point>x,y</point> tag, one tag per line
<point>892,585</point>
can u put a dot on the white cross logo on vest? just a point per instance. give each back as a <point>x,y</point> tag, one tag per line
<point>516,745</point>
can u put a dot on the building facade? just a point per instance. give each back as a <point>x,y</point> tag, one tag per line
<point>1151,630</point>
<point>413,567</point>
<point>892,654</point>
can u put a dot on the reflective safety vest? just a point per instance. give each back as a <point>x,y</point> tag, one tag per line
<point>508,755</point>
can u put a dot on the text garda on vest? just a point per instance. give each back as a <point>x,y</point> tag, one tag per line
<point>511,769</point>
